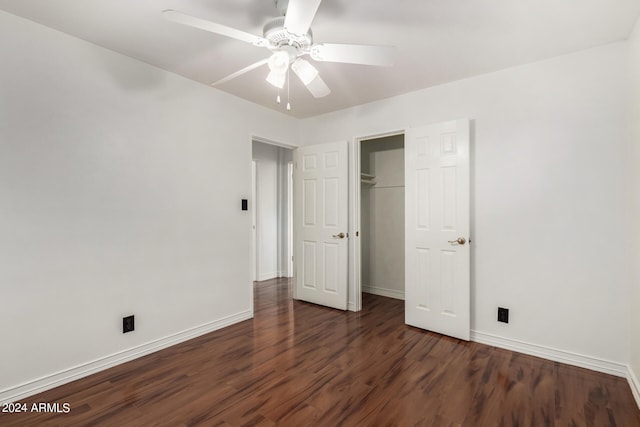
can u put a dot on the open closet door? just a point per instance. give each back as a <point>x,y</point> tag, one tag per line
<point>320,183</point>
<point>437,258</point>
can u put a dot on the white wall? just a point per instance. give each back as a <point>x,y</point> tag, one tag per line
<point>635,296</point>
<point>120,188</point>
<point>382,217</point>
<point>550,210</point>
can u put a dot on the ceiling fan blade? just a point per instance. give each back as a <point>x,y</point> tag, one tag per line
<point>192,21</point>
<point>318,88</point>
<point>354,54</point>
<point>300,14</point>
<point>240,72</point>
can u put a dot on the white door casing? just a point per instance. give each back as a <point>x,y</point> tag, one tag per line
<point>437,266</point>
<point>290,219</point>
<point>254,213</point>
<point>320,219</point>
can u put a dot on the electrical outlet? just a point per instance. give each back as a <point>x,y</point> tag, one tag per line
<point>127,324</point>
<point>503,315</point>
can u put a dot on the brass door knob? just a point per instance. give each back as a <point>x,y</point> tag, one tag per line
<point>339,236</point>
<point>458,241</point>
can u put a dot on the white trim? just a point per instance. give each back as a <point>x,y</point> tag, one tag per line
<point>50,381</point>
<point>634,384</point>
<point>268,276</point>
<point>570,358</point>
<point>254,225</point>
<point>273,142</point>
<point>290,218</point>
<point>282,275</point>
<point>354,297</point>
<point>383,292</point>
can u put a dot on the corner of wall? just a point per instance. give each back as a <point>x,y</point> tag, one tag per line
<point>634,359</point>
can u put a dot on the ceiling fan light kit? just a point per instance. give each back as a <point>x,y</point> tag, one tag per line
<point>304,70</point>
<point>276,79</point>
<point>279,62</point>
<point>289,37</point>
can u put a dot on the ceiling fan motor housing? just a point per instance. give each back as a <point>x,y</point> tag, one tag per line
<point>275,32</point>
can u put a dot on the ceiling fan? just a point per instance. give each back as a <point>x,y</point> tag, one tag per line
<point>289,38</point>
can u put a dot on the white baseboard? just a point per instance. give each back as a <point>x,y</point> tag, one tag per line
<point>283,274</point>
<point>634,384</point>
<point>575,359</point>
<point>383,292</point>
<point>268,276</point>
<point>48,382</point>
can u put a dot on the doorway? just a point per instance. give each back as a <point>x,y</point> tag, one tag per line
<point>272,219</point>
<point>382,216</point>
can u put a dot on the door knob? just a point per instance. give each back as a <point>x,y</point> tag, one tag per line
<point>339,236</point>
<point>458,241</point>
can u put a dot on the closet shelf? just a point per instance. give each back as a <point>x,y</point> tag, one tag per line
<point>367,179</point>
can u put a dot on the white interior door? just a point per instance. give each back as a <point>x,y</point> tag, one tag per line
<point>320,218</point>
<point>437,258</point>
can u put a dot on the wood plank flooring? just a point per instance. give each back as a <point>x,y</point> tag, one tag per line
<point>297,364</point>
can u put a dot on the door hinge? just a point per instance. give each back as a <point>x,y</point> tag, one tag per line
<point>357,233</point>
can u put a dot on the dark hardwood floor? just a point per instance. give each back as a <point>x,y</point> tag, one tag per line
<point>297,364</point>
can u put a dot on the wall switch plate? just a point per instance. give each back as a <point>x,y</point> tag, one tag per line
<point>127,324</point>
<point>245,205</point>
<point>503,315</point>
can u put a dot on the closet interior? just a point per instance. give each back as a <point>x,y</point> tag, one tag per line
<point>382,216</point>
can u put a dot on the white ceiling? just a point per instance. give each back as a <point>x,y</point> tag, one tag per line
<point>438,41</point>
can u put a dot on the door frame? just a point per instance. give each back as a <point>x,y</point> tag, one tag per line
<point>254,220</point>
<point>354,294</point>
<point>253,243</point>
<point>290,223</point>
